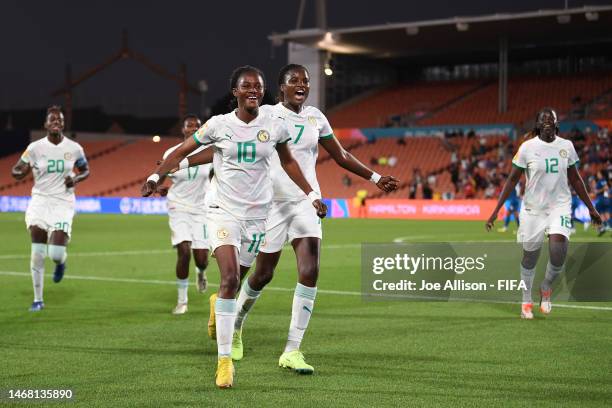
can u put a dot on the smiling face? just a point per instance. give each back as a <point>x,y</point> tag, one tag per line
<point>190,126</point>
<point>547,124</point>
<point>55,123</point>
<point>296,87</point>
<point>249,91</point>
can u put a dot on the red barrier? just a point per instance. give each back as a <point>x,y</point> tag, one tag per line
<point>428,209</point>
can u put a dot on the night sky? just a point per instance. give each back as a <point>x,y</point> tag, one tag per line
<point>212,37</point>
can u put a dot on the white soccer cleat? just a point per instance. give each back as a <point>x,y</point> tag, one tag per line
<point>181,308</point>
<point>545,303</point>
<point>527,311</point>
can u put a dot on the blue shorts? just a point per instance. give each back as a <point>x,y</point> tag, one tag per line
<point>602,205</point>
<point>513,205</point>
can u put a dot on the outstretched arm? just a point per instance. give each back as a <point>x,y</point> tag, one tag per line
<point>515,176</point>
<point>294,172</point>
<point>203,157</point>
<point>352,164</point>
<point>169,163</point>
<point>575,180</point>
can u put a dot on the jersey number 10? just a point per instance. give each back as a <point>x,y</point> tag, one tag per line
<point>246,152</point>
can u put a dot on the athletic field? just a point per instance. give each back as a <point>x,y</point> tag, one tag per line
<point>107,333</point>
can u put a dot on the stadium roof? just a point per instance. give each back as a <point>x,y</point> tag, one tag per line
<point>456,36</point>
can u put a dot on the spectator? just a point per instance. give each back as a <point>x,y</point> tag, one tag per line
<point>431,179</point>
<point>427,192</point>
<point>346,181</point>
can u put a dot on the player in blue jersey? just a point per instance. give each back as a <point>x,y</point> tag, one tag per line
<point>513,205</point>
<point>602,202</point>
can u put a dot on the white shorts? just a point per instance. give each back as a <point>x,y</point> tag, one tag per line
<point>246,235</point>
<point>50,214</point>
<point>190,227</point>
<point>534,228</point>
<point>289,220</point>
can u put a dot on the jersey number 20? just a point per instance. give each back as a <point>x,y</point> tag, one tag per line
<point>55,166</point>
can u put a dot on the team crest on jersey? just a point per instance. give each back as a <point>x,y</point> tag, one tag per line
<point>563,153</point>
<point>222,234</point>
<point>67,156</point>
<point>263,136</point>
<point>312,120</point>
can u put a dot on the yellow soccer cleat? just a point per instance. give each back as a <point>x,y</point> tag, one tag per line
<point>295,361</point>
<point>224,378</point>
<point>212,325</point>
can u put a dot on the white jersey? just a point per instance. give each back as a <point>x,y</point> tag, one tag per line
<point>545,165</point>
<point>306,129</point>
<point>242,156</point>
<point>51,164</point>
<point>189,186</point>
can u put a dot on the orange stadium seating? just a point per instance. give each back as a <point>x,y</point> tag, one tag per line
<point>471,102</point>
<point>428,154</point>
<point>114,164</point>
<point>526,95</point>
<point>375,110</point>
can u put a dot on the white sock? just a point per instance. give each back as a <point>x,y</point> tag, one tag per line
<point>303,304</point>
<point>37,267</point>
<point>58,253</point>
<point>551,274</point>
<point>246,300</point>
<point>182,285</point>
<point>225,314</point>
<point>527,276</point>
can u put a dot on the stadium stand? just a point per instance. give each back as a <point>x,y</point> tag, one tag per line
<point>471,102</point>
<point>409,100</point>
<point>114,164</point>
<point>526,95</point>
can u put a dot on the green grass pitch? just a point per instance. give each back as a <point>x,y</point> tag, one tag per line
<point>107,333</point>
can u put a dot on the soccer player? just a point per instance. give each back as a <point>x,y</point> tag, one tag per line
<point>187,219</point>
<point>513,204</point>
<point>602,202</point>
<point>291,218</point>
<point>52,161</point>
<point>549,162</point>
<point>244,143</point>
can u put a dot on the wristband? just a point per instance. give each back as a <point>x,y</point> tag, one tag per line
<point>375,177</point>
<point>313,195</point>
<point>153,177</point>
<point>184,164</point>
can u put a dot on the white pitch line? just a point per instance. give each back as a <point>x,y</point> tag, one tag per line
<point>150,252</point>
<point>279,289</point>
